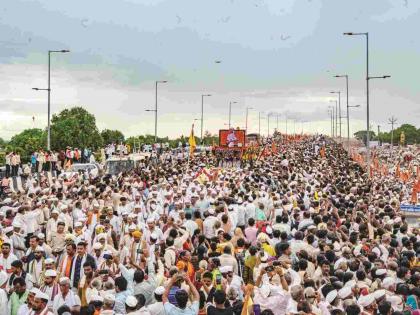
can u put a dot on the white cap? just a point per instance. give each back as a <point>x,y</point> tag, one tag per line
<point>16,224</point>
<point>366,300</point>
<point>109,298</point>
<point>331,296</point>
<point>78,224</point>
<point>8,229</point>
<point>131,301</point>
<point>226,269</point>
<point>49,261</point>
<point>64,280</point>
<point>97,298</point>
<point>50,273</point>
<point>42,296</point>
<point>388,282</point>
<point>102,236</point>
<point>381,272</point>
<point>344,292</point>
<point>97,245</point>
<point>41,235</point>
<point>159,290</point>
<point>379,293</point>
<point>39,249</point>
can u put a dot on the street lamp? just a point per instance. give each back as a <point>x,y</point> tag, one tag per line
<point>331,112</point>
<point>63,51</point>
<point>367,94</point>
<point>202,114</point>
<point>336,118</point>
<point>156,106</point>
<point>347,96</point>
<point>339,108</point>
<point>246,121</point>
<point>230,111</point>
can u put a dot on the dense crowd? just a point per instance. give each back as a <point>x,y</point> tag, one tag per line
<point>297,232</point>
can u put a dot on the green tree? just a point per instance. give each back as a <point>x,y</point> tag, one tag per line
<point>112,136</point>
<point>2,142</point>
<point>75,127</point>
<point>28,141</point>
<point>411,134</point>
<point>361,135</point>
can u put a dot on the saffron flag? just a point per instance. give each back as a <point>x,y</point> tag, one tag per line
<point>191,141</point>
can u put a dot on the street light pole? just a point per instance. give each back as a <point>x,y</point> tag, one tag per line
<point>347,96</point>
<point>49,94</point>
<point>336,118</point>
<point>339,109</point>
<point>392,121</point>
<point>202,115</point>
<point>156,106</point>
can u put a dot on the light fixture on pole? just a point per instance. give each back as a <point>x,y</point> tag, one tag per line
<point>63,51</point>
<point>202,115</point>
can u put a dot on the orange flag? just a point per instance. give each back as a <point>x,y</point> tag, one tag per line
<point>398,171</point>
<point>414,197</point>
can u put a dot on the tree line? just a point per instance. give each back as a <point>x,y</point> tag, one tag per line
<point>411,133</point>
<point>76,128</point>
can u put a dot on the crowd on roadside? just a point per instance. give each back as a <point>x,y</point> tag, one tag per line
<point>298,232</point>
<point>45,160</point>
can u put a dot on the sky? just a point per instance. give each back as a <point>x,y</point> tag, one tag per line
<point>277,57</point>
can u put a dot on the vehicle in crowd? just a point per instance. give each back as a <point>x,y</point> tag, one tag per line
<point>91,169</point>
<point>118,164</point>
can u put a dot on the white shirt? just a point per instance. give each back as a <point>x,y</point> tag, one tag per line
<point>70,300</point>
<point>3,303</point>
<point>5,263</point>
<point>208,227</point>
<point>156,308</point>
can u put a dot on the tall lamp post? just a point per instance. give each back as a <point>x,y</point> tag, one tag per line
<point>367,94</point>
<point>347,97</point>
<point>335,118</point>
<point>156,106</point>
<point>339,109</point>
<point>330,111</point>
<point>202,115</point>
<point>230,112</point>
<point>63,51</point>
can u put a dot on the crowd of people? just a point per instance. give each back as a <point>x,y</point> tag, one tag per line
<point>45,160</point>
<point>297,232</point>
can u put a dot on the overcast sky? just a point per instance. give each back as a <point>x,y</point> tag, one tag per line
<point>277,56</point>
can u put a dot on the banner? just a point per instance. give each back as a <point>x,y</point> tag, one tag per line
<point>410,208</point>
<point>232,138</point>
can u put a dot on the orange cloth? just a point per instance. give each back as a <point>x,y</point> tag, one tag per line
<point>67,270</point>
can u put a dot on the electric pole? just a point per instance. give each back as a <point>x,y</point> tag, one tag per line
<point>392,121</point>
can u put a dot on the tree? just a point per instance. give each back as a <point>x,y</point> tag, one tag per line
<point>112,136</point>
<point>75,127</point>
<point>361,135</point>
<point>28,141</point>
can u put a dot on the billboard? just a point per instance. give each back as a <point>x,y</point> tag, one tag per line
<point>232,138</point>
